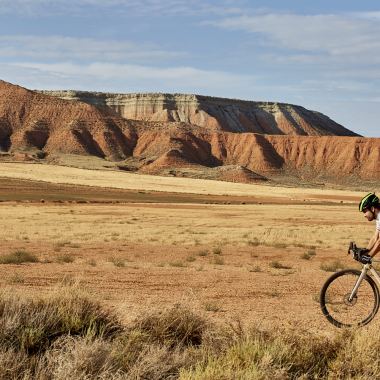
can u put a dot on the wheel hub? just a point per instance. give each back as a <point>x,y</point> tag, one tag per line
<point>346,300</point>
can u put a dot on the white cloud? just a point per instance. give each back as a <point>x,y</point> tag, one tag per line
<point>338,37</point>
<point>154,7</point>
<point>72,48</point>
<point>127,78</point>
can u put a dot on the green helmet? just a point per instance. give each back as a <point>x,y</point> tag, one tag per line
<point>371,199</point>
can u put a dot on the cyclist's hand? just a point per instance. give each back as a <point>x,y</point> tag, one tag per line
<point>361,255</point>
<point>365,259</point>
<point>362,251</point>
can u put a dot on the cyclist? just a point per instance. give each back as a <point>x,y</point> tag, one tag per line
<point>370,206</point>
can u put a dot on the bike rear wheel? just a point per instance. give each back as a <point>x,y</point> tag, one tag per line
<point>337,307</point>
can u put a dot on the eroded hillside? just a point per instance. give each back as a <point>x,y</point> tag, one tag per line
<point>216,114</point>
<point>33,124</point>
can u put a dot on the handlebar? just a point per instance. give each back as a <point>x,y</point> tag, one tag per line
<point>359,254</point>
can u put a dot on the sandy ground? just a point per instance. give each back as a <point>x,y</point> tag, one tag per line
<point>147,252</point>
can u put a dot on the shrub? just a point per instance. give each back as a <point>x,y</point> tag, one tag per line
<point>18,257</point>
<point>279,245</point>
<point>211,306</point>
<point>177,264</point>
<point>91,262</point>
<point>120,263</point>
<point>204,252</point>
<point>65,258</point>
<point>177,326</point>
<point>217,251</point>
<point>308,254</point>
<point>31,325</point>
<point>218,261</point>
<point>253,243</point>
<point>278,265</point>
<point>256,269</point>
<point>332,266</point>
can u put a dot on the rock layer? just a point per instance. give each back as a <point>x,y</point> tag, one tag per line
<point>220,114</point>
<point>31,121</point>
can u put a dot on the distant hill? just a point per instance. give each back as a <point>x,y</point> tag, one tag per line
<point>34,125</point>
<point>216,114</point>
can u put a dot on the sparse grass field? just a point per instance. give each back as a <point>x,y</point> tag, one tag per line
<point>184,250</point>
<point>261,263</point>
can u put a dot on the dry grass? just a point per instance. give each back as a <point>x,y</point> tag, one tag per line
<point>118,262</point>
<point>32,325</point>
<point>18,257</point>
<point>68,336</point>
<point>308,254</point>
<point>278,265</point>
<point>65,258</point>
<point>333,266</point>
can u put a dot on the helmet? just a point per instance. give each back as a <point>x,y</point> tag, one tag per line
<point>371,199</point>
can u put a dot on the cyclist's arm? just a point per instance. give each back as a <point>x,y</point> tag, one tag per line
<point>373,239</point>
<point>374,244</point>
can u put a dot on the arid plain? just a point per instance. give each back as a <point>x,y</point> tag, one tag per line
<point>260,254</point>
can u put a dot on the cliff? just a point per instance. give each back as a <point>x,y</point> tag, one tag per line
<point>33,122</point>
<point>217,114</point>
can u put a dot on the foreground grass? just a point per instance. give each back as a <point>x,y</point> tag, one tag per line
<point>69,336</point>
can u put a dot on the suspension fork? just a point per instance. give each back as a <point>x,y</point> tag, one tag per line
<point>365,269</point>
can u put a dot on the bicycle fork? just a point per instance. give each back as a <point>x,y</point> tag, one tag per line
<point>366,268</point>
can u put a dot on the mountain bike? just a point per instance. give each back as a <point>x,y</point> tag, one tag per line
<point>351,297</point>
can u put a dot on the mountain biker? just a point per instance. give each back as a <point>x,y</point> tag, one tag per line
<point>370,206</point>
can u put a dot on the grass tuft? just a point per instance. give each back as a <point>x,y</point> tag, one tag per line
<point>217,251</point>
<point>176,326</point>
<point>32,325</point>
<point>18,257</point>
<point>177,264</point>
<point>65,258</point>
<point>333,266</point>
<point>278,265</point>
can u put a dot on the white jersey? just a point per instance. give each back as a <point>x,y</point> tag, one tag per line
<point>378,222</point>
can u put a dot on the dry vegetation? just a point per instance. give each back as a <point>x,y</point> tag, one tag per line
<point>67,335</point>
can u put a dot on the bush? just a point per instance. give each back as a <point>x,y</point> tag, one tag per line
<point>65,258</point>
<point>177,326</point>
<point>333,266</point>
<point>120,263</point>
<point>278,265</point>
<point>217,251</point>
<point>18,257</point>
<point>31,325</point>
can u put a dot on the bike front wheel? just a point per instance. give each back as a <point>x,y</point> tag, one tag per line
<point>337,306</point>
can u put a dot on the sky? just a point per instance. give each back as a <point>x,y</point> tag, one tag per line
<point>322,55</point>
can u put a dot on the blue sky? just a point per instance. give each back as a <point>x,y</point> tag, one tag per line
<point>323,55</point>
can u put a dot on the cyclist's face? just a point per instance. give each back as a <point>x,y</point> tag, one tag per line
<point>369,214</point>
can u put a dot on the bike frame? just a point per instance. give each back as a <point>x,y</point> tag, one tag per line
<point>366,268</point>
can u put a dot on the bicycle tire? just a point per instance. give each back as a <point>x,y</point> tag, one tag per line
<point>369,294</point>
